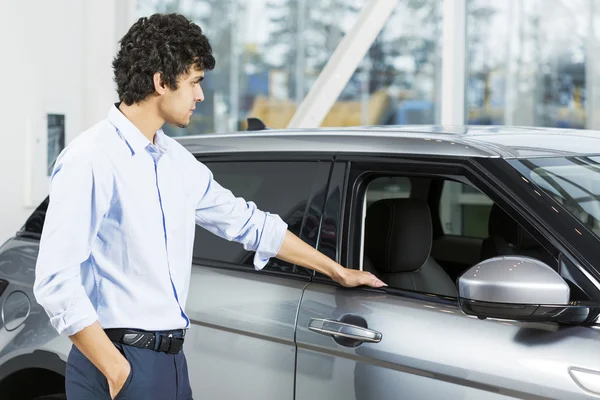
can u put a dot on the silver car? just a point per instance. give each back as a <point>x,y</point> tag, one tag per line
<point>488,237</point>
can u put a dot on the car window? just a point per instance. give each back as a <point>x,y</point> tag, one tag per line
<point>397,235</point>
<point>574,182</point>
<point>281,188</point>
<point>388,187</point>
<point>397,241</point>
<point>464,210</point>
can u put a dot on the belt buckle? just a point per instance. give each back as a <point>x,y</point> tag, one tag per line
<point>171,345</point>
<point>134,339</point>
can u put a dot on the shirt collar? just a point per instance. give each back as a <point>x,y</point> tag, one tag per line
<point>135,139</point>
<point>161,141</point>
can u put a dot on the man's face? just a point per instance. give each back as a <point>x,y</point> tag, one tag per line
<point>177,106</point>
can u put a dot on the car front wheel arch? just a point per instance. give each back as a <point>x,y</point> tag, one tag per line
<point>33,377</point>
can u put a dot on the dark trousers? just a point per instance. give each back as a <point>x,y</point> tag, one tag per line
<point>154,376</point>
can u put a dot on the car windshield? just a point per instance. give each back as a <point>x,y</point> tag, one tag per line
<point>573,181</point>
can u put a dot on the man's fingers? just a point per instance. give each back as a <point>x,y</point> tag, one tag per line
<point>373,281</point>
<point>364,278</point>
<point>378,283</point>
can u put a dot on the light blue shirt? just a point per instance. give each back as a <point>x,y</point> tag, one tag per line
<point>119,231</point>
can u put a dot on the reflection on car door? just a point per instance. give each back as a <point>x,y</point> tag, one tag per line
<point>430,350</point>
<point>241,340</point>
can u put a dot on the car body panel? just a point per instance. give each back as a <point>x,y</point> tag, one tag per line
<point>242,331</point>
<point>529,145</point>
<point>431,350</point>
<point>35,335</point>
<point>341,143</point>
<point>469,141</point>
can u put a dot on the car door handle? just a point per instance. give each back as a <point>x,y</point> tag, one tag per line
<point>341,329</point>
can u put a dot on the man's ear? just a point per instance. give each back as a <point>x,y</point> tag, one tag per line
<point>159,85</point>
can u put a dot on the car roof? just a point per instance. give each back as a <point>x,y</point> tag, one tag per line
<point>460,141</point>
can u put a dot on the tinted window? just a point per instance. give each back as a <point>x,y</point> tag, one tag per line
<point>464,211</point>
<point>281,188</point>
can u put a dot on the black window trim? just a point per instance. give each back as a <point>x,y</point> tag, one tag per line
<point>200,262</point>
<point>345,166</point>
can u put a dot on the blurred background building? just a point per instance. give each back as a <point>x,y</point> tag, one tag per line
<point>493,62</point>
<point>527,62</point>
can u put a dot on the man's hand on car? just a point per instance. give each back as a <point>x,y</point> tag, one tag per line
<point>296,251</point>
<point>352,278</point>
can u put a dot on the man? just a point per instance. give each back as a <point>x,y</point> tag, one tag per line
<point>114,264</point>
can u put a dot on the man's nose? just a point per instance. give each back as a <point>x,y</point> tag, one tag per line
<point>199,95</point>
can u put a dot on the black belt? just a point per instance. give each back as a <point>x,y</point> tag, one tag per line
<point>170,342</point>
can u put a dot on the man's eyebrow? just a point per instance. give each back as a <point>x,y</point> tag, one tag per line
<point>199,78</point>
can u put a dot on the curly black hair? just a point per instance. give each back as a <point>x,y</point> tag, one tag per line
<point>165,43</point>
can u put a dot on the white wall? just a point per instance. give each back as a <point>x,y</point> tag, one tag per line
<point>55,57</point>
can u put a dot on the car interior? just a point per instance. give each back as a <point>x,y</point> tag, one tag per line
<point>420,234</point>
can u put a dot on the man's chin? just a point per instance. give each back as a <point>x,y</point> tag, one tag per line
<point>181,124</point>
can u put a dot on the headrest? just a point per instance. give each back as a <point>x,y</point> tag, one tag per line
<point>398,234</point>
<point>503,225</point>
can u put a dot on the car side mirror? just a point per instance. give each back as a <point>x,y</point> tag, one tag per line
<point>523,289</point>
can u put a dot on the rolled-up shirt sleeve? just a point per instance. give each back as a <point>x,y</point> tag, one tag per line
<point>233,218</point>
<point>78,200</point>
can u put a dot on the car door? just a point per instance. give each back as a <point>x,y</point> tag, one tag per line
<point>241,340</point>
<point>395,343</point>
